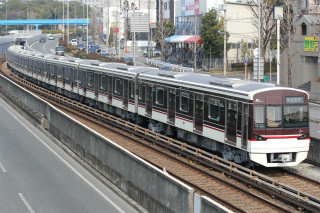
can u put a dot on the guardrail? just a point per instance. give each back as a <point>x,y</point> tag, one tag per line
<point>164,65</point>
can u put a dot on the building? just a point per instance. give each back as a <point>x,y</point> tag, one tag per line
<point>239,18</point>
<point>305,69</point>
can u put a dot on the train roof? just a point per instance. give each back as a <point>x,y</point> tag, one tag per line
<point>219,84</point>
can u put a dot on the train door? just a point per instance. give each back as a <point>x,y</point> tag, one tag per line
<point>125,93</point>
<point>198,112</point>
<point>172,106</point>
<point>96,84</point>
<point>149,100</point>
<point>231,122</point>
<point>245,125</point>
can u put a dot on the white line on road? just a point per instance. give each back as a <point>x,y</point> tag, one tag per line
<point>2,167</point>
<point>67,164</point>
<point>26,203</point>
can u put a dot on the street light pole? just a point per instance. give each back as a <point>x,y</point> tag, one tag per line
<point>87,29</point>
<point>225,40</point>
<point>68,22</point>
<point>28,19</point>
<point>259,59</point>
<point>63,20</point>
<point>7,17</point>
<point>55,16</point>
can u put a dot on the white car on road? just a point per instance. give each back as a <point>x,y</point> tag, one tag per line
<point>74,42</point>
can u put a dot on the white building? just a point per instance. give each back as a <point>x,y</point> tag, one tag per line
<point>120,14</point>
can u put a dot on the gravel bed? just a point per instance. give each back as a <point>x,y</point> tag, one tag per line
<point>306,170</point>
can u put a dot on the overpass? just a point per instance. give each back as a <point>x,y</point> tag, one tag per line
<point>38,22</point>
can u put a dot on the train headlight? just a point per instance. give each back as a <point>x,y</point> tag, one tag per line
<point>304,136</point>
<point>259,138</point>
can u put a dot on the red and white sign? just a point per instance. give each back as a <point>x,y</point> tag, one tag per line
<point>192,7</point>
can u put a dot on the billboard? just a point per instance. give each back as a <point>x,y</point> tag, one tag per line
<point>190,7</point>
<point>310,44</point>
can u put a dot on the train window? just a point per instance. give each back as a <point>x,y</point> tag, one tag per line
<point>82,78</point>
<point>214,109</point>
<point>274,116</point>
<point>131,89</point>
<point>75,76</point>
<point>142,93</point>
<point>53,70</point>
<point>117,86</point>
<point>90,79</point>
<point>258,115</point>
<point>103,82</point>
<point>159,96</point>
<point>68,74</point>
<point>295,116</point>
<point>59,74</point>
<point>184,101</point>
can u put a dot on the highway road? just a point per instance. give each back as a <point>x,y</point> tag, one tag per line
<point>37,176</point>
<point>5,43</point>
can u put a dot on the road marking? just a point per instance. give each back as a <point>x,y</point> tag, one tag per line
<point>2,168</point>
<point>26,203</point>
<point>68,165</point>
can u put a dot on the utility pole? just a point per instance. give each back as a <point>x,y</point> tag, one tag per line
<point>119,19</point>
<point>225,40</point>
<point>195,43</point>
<point>149,34</point>
<point>259,59</point>
<point>134,33</point>
<point>63,20</point>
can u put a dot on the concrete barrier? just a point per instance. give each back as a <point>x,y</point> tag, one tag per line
<point>152,188</point>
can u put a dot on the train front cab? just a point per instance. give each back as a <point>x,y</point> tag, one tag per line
<point>280,131</point>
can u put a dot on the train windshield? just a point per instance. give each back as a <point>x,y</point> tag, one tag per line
<point>295,116</point>
<point>276,116</point>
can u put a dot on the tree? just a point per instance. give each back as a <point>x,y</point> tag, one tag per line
<point>212,34</point>
<point>267,22</point>
<point>164,29</point>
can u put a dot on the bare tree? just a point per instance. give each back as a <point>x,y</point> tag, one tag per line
<point>287,38</point>
<point>267,23</point>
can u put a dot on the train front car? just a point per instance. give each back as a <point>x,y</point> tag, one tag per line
<point>280,127</point>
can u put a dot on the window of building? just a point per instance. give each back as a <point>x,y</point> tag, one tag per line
<point>304,29</point>
<point>165,5</point>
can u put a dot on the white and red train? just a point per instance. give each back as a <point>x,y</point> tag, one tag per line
<point>246,121</point>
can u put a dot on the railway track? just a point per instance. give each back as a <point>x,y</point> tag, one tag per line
<point>215,177</point>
